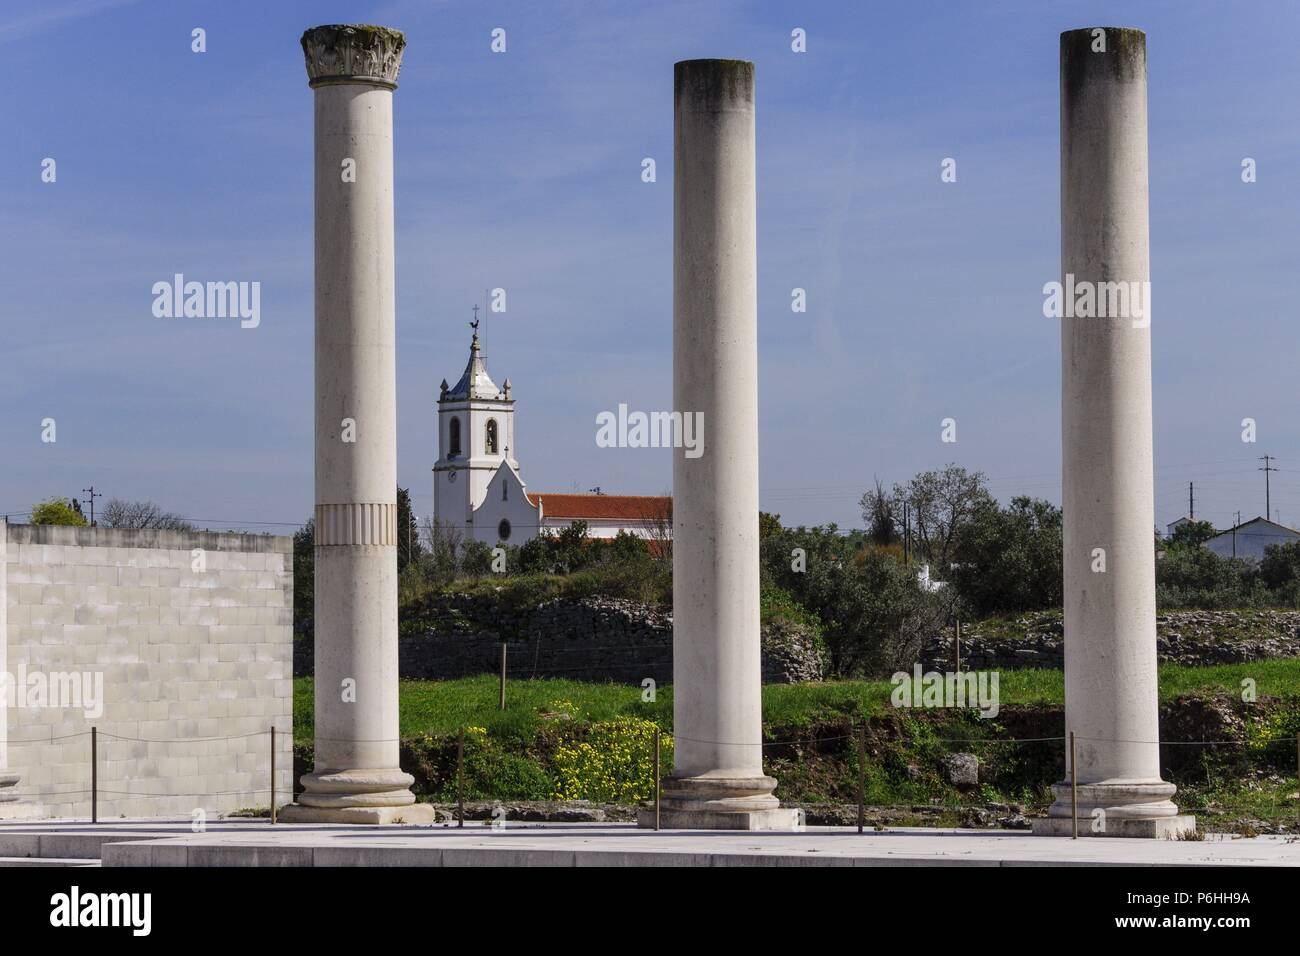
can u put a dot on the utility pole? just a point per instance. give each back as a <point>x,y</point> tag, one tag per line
<point>1191,501</point>
<point>1234,534</point>
<point>1268,506</point>
<point>91,495</point>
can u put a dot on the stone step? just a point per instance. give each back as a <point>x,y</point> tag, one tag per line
<point>45,861</point>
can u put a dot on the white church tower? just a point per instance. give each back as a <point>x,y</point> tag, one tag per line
<point>476,434</point>
<point>477,488</point>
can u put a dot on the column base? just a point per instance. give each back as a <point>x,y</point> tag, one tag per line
<point>1150,828</point>
<point>719,803</point>
<point>415,814</point>
<point>11,807</point>
<point>779,819</point>
<point>358,796</point>
<point>1117,808</point>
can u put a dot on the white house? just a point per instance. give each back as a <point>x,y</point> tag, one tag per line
<point>1249,540</point>
<point>478,488</point>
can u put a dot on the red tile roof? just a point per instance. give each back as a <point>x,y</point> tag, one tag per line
<point>609,507</point>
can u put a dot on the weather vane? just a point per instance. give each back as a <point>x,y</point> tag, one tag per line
<point>474,325</point>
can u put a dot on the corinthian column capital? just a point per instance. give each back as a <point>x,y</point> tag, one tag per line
<point>353,53</point>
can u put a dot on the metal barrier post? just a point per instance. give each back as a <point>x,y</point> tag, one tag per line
<point>1074,792</point>
<point>862,776</point>
<point>656,777</point>
<point>460,778</point>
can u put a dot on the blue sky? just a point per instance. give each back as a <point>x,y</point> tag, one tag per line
<point>522,171</point>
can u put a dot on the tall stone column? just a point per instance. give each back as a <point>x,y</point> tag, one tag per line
<point>357,777</point>
<point>718,780</point>
<point>1107,482</point>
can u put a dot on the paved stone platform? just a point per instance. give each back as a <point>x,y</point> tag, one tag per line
<point>257,843</point>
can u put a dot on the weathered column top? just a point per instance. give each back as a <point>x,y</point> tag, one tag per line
<point>714,86</point>
<point>353,53</point>
<point>1118,53</point>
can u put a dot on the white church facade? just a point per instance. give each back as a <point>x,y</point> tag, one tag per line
<point>478,488</point>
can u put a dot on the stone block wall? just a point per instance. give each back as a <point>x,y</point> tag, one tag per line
<point>191,636</point>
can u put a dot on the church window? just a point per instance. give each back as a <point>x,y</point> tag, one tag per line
<point>492,436</point>
<point>505,491</point>
<point>453,438</point>
<point>503,530</point>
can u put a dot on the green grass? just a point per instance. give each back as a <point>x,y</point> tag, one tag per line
<point>516,759</point>
<point>1240,805</point>
<point>442,707</point>
<point>1276,677</point>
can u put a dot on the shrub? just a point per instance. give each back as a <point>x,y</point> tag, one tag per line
<point>776,604</point>
<point>1280,572</point>
<point>1196,577</point>
<point>1271,736</point>
<point>610,762</point>
<point>57,511</point>
<point>1008,560</point>
<point>873,612</point>
<point>494,769</point>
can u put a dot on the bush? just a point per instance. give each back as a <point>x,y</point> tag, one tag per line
<point>610,762</point>
<point>873,612</point>
<point>1191,533</point>
<point>476,559</point>
<point>1280,572</point>
<point>645,581</point>
<point>1196,577</point>
<point>58,511</point>
<point>776,604</point>
<point>1271,736</point>
<point>1008,560</point>
<point>494,769</point>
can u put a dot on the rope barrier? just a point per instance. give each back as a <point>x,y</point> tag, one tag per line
<point>1289,741</point>
<point>212,793</point>
<point>43,740</point>
<point>970,741</point>
<point>1266,809</point>
<point>186,740</point>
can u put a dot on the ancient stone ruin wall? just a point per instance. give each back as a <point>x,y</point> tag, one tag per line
<point>597,639</point>
<point>1191,638</point>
